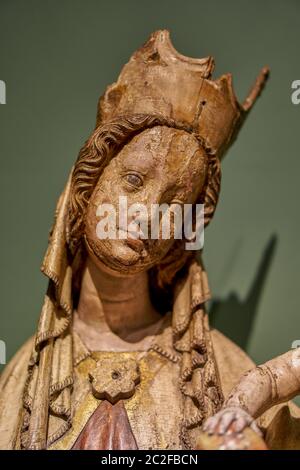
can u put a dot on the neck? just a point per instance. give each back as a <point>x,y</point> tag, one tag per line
<point>121,305</point>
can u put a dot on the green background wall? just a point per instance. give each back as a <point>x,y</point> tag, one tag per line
<point>56,58</point>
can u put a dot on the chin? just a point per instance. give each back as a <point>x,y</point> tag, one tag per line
<point>115,257</point>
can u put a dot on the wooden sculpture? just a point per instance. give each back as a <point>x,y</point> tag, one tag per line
<point>123,356</point>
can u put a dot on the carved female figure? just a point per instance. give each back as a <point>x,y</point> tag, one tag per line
<point>124,357</point>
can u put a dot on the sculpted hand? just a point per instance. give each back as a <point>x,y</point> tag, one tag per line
<point>230,420</point>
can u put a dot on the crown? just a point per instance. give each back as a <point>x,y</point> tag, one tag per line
<point>159,80</point>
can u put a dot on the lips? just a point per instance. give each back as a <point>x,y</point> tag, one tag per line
<point>135,243</point>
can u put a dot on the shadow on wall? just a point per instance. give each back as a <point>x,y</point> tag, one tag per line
<point>235,318</point>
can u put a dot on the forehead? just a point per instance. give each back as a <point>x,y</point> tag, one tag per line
<point>162,148</point>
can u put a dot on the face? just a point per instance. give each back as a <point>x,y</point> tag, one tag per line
<point>159,166</point>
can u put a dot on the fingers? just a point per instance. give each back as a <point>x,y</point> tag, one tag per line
<point>230,421</point>
<point>225,422</point>
<point>240,423</point>
<point>219,423</point>
<point>211,424</point>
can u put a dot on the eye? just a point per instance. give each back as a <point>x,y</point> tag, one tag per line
<point>134,180</point>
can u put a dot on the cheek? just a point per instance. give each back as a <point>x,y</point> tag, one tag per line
<point>106,192</point>
<point>99,198</point>
<point>194,183</point>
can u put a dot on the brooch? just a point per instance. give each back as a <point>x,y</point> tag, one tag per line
<point>114,379</point>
